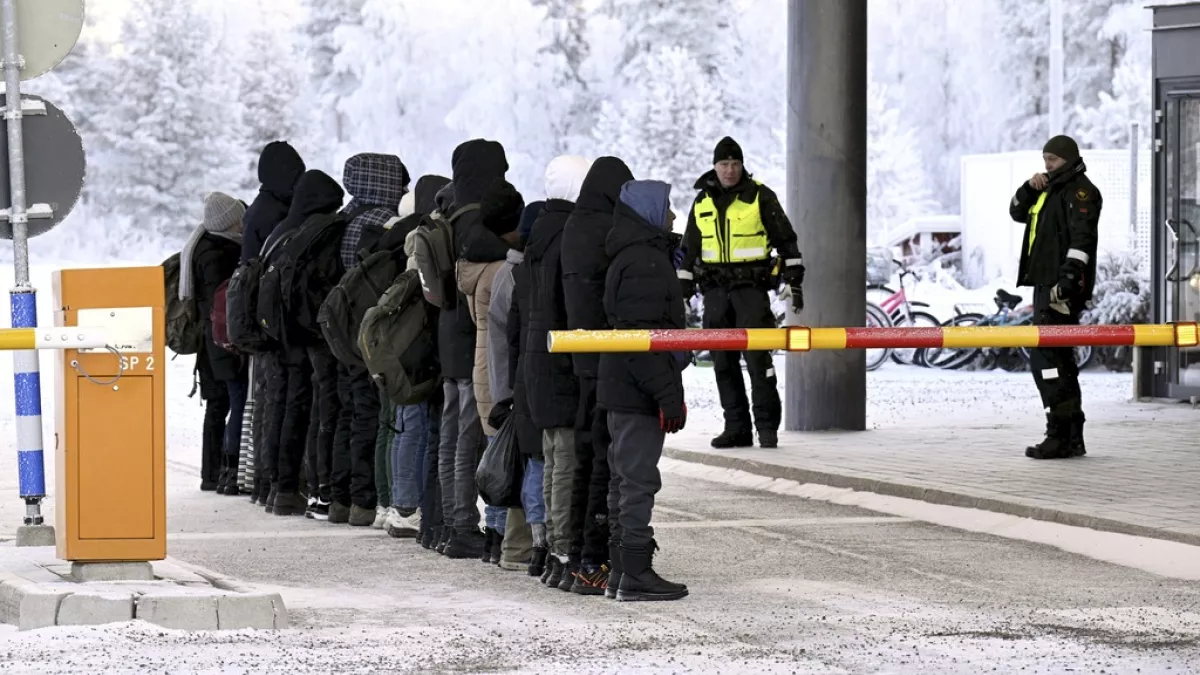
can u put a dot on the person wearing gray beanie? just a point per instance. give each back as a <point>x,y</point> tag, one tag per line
<point>1061,212</point>
<point>207,261</point>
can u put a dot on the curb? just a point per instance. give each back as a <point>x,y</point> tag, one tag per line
<point>932,496</point>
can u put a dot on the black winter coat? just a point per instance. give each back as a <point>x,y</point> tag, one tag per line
<point>476,165</point>
<point>279,168</point>
<point>641,291</point>
<point>529,437</point>
<point>586,261</point>
<point>549,378</point>
<point>1067,228</point>
<point>213,261</point>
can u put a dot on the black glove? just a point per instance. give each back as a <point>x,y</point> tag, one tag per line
<point>672,417</point>
<point>500,412</point>
<point>688,287</point>
<point>797,298</point>
<point>1071,278</point>
<point>793,275</point>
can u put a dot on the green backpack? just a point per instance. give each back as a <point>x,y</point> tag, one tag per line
<point>185,331</point>
<point>398,342</point>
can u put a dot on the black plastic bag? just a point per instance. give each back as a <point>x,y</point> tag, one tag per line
<point>502,469</point>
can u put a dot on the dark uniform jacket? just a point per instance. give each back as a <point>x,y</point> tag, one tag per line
<point>1066,228</point>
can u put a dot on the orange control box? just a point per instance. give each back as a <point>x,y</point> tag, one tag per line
<point>110,445</point>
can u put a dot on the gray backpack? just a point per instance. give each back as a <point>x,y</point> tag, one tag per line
<point>398,342</point>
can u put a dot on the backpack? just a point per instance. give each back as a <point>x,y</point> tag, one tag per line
<point>241,309</point>
<point>185,331</point>
<point>269,311</point>
<point>399,344</point>
<point>220,331</point>
<point>433,249</point>
<point>361,287</point>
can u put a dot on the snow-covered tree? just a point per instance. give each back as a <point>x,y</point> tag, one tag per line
<point>322,32</point>
<point>565,56</point>
<point>173,127</point>
<point>665,130</point>
<point>896,184</point>
<point>1107,123</point>
<point>269,84</point>
<point>1122,291</point>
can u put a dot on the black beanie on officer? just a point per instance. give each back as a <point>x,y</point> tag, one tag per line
<point>1064,147</point>
<point>727,148</point>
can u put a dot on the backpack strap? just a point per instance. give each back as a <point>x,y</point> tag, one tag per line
<point>391,223</point>
<point>463,211</point>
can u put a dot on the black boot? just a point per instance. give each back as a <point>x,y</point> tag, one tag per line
<point>554,571</point>
<point>614,573</point>
<point>768,439</point>
<point>223,481</point>
<point>732,439</point>
<point>591,580</point>
<point>1076,445</point>
<point>466,543</point>
<point>568,577</point>
<point>497,548</point>
<point>269,505</point>
<point>489,537</point>
<point>639,581</point>
<point>537,565</point>
<point>1056,445</point>
<point>447,537</point>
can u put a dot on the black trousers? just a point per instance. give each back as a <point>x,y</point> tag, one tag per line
<point>431,496</point>
<point>259,420</point>
<point>1054,369</point>
<point>353,476</point>
<point>216,411</point>
<point>274,410</point>
<point>637,447</point>
<point>293,437</point>
<point>589,490</point>
<point>322,431</point>
<point>744,306</point>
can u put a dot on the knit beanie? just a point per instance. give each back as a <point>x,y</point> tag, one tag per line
<point>727,148</point>
<point>222,213</point>
<point>501,208</point>
<point>1064,147</point>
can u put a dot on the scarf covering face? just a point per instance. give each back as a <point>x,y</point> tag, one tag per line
<point>222,217</point>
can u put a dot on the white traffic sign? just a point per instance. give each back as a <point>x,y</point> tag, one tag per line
<point>47,32</point>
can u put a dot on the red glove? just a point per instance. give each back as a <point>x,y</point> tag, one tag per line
<point>672,418</point>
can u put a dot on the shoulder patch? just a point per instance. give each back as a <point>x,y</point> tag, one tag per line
<point>1082,194</point>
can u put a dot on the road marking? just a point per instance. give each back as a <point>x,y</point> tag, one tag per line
<point>339,533</point>
<point>779,522</point>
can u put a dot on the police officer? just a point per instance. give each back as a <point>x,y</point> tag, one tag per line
<point>735,223</point>
<point>1060,209</point>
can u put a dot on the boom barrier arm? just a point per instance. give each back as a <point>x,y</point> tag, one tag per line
<point>63,337</point>
<point>803,339</point>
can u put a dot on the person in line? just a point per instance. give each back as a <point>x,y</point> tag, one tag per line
<point>208,259</point>
<point>477,165</point>
<point>551,386</point>
<point>376,184</point>
<point>1061,212</point>
<point>733,225</point>
<point>279,169</point>
<point>317,195</point>
<point>643,392</point>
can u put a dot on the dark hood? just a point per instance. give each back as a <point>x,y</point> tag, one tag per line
<point>426,191</point>
<point>476,165</point>
<point>316,192</point>
<point>602,187</point>
<point>444,199</point>
<point>279,167</point>
<point>640,217</point>
<point>376,180</point>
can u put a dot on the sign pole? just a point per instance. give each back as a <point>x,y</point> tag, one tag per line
<point>30,463</point>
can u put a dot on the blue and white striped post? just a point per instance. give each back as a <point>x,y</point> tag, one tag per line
<point>30,466</point>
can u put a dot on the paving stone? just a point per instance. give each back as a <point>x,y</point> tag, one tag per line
<point>249,610</point>
<point>88,609</point>
<point>184,612</point>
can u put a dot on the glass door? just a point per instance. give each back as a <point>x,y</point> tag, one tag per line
<point>1182,211</point>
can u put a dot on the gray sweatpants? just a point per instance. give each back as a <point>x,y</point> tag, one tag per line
<point>460,441</point>
<point>558,447</point>
<point>637,445</point>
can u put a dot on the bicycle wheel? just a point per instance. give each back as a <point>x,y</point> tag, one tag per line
<point>949,358</point>
<point>914,356</point>
<point>877,318</point>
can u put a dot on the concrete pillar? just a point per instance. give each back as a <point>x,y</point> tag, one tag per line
<point>827,203</point>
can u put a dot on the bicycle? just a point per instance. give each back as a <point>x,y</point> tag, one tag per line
<point>900,313</point>
<point>1009,312</point>
<point>877,317</point>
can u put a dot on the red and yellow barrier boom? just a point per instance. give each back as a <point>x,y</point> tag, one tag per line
<point>803,339</point>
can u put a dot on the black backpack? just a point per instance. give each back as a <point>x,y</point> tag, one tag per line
<point>269,311</point>
<point>398,342</point>
<point>434,251</point>
<point>360,289</point>
<point>185,330</point>
<point>241,308</point>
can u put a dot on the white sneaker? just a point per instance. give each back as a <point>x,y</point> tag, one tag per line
<point>380,518</point>
<point>403,528</point>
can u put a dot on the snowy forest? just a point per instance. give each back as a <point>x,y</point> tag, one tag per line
<point>174,98</point>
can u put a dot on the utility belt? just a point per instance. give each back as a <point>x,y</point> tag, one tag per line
<point>763,275</point>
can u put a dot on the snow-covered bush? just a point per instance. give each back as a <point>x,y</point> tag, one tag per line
<point>1122,291</point>
<point>879,265</point>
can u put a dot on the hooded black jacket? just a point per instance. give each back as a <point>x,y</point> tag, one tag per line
<point>476,164</point>
<point>550,382</point>
<point>316,193</point>
<point>1067,228</point>
<point>279,168</point>
<point>213,262</point>
<point>586,260</point>
<point>642,292</point>
<point>529,437</point>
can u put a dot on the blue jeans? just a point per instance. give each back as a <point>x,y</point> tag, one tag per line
<point>532,497</point>
<point>408,456</point>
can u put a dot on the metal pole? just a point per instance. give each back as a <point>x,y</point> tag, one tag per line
<point>1056,67</point>
<point>827,202</point>
<point>30,463</point>
<point>1133,187</point>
